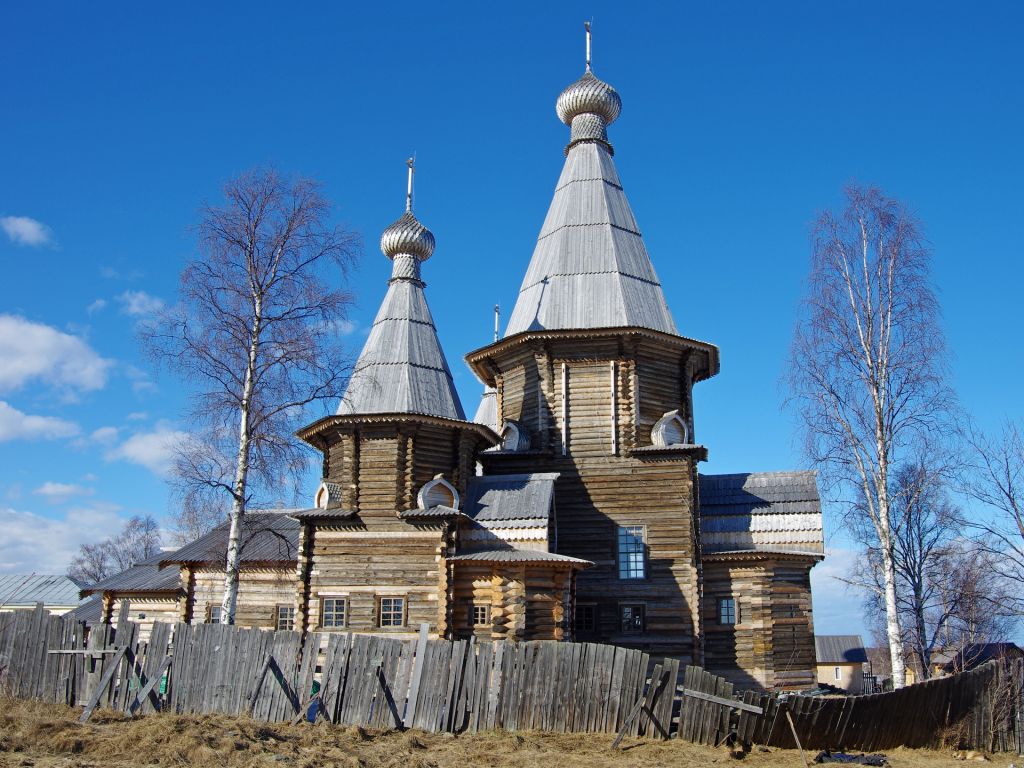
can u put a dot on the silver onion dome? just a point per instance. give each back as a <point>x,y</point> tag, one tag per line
<point>588,95</point>
<point>407,236</point>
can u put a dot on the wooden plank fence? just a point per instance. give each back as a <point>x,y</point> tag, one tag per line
<point>438,685</point>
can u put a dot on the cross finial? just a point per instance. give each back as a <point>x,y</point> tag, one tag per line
<point>411,162</point>
<point>497,320</point>
<point>586,26</point>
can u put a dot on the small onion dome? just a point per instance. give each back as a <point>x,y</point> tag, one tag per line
<point>407,236</point>
<point>588,95</point>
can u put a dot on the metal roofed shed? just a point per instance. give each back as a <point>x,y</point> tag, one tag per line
<point>267,537</point>
<point>761,512</point>
<point>58,593</point>
<point>840,649</point>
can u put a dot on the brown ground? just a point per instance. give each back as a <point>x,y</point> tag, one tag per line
<point>47,736</point>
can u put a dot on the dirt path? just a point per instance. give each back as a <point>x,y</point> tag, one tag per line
<point>46,736</point>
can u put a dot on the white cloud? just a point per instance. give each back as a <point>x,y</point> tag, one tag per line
<point>35,544</point>
<point>25,231</point>
<point>58,493</point>
<point>153,450</point>
<point>15,425</point>
<point>137,416</point>
<point>139,303</point>
<point>104,435</point>
<point>141,383</point>
<point>341,327</point>
<point>838,606</point>
<point>34,351</point>
<point>96,306</point>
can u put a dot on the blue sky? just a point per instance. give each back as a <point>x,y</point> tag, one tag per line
<point>740,121</point>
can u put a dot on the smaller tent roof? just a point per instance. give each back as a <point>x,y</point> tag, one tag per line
<point>840,649</point>
<point>29,589</point>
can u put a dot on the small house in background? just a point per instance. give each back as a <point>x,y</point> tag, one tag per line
<point>58,594</point>
<point>841,660</point>
<point>266,580</point>
<point>152,595</point>
<point>972,656</point>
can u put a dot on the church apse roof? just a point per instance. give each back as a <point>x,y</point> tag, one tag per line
<point>761,512</point>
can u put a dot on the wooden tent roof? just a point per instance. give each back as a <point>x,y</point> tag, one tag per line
<point>590,268</point>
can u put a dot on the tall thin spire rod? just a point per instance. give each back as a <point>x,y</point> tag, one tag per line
<point>497,320</point>
<point>586,25</point>
<point>411,162</point>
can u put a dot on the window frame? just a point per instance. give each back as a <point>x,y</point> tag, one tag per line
<point>343,599</point>
<point>734,611</point>
<point>838,673</point>
<point>277,617</point>
<point>380,611</point>
<point>623,607</point>
<point>621,565</point>
<point>585,630</point>
<point>475,606</point>
<point>214,611</point>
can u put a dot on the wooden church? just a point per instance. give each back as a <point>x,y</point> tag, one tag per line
<point>571,506</point>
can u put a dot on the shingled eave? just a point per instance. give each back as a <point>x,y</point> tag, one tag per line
<point>761,554</point>
<point>478,359</point>
<point>312,432</point>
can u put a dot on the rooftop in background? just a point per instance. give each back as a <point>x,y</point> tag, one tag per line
<point>761,512</point>
<point>146,576</point>
<point>267,537</point>
<point>840,649</point>
<point>25,590</point>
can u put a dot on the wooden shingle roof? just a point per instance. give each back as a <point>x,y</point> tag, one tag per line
<point>761,512</point>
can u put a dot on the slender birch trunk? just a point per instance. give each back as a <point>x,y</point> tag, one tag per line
<point>234,553</point>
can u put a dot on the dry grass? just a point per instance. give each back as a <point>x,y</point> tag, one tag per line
<point>46,736</point>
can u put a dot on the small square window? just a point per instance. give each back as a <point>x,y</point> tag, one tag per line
<point>586,618</point>
<point>632,552</point>
<point>633,618</point>
<point>480,615</point>
<point>332,611</point>
<point>727,610</point>
<point>213,614</point>
<point>285,618</point>
<point>392,612</point>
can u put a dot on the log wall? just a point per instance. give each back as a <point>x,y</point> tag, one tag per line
<point>260,591</point>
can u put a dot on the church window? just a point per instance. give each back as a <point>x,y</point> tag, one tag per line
<point>391,612</point>
<point>332,611</point>
<point>633,618</point>
<point>727,610</point>
<point>586,618</point>
<point>480,614</point>
<point>438,493</point>
<point>213,614</point>
<point>284,617</point>
<point>632,552</point>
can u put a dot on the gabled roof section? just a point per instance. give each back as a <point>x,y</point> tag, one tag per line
<point>590,268</point>
<point>29,589</point>
<point>761,512</point>
<point>487,411</point>
<point>267,537</point>
<point>511,501</point>
<point>840,649</point>
<point>146,576</point>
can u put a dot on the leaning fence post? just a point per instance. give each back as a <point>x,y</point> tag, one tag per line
<point>417,674</point>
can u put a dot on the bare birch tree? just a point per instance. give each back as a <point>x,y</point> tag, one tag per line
<point>994,477</point>
<point>254,334</point>
<point>867,364</point>
<point>138,540</point>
